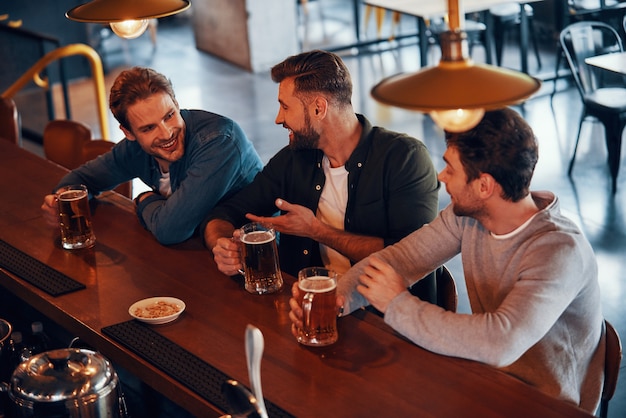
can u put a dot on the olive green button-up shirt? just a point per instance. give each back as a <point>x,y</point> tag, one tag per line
<point>392,191</point>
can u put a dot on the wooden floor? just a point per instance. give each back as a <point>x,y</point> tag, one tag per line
<point>203,81</point>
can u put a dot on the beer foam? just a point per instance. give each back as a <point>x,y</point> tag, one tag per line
<point>317,284</point>
<point>72,195</point>
<point>257,237</point>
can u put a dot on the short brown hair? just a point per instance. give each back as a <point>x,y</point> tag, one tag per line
<point>317,72</point>
<point>135,84</point>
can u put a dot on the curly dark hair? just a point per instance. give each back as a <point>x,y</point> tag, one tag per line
<point>502,145</point>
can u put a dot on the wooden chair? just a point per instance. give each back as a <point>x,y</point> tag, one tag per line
<point>93,149</point>
<point>10,124</point>
<point>63,141</point>
<point>447,294</point>
<point>69,143</point>
<point>611,367</point>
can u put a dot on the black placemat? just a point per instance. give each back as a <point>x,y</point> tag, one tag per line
<point>35,272</point>
<point>177,362</point>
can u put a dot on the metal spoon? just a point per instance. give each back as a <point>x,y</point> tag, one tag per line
<point>241,401</point>
<point>254,351</point>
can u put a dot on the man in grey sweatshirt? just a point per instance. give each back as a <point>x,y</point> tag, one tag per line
<point>531,274</point>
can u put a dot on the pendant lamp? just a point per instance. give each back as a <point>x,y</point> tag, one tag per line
<point>456,92</point>
<point>128,18</point>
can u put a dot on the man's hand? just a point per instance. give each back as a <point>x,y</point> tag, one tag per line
<point>380,283</point>
<point>222,239</point>
<point>299,220</point>
<point>227,254</point>
<point>50,210</point>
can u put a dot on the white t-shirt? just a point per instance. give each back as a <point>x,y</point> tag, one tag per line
<point>332,210</point>
<point>165,187</point>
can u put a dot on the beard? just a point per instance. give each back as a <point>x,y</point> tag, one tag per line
<point>465,204</point>
<point>172,154</point>
<point>466,210</point>
<point>306,138</point>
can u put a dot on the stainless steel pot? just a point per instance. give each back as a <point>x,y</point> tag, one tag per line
<point>68,383</point>
<point>5,330</point>
<point>5,363</point>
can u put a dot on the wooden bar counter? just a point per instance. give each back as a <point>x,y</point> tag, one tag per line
<point>370,371</point>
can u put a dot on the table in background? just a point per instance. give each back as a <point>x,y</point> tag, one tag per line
<point>426,9</point>
<point>370,371</point>
<point>614,62</point>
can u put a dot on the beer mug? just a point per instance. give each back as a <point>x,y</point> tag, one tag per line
<point>75,217</point>
<point>260,259</point>
<point>318,298</point>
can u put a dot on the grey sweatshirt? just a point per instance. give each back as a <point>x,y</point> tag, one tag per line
<point>534,294</point>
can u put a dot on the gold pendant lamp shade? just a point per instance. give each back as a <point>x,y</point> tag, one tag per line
<point>105,11</point>
<point>456,92</point>
<point>128,18</point>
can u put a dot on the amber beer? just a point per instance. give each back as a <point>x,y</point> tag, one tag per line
<point>75,217</point>
<point>318,293</point>
<point>260,259</point>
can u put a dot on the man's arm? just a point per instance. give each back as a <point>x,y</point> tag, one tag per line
<point>355,247</point>
<point>218,236</point>
<point>415,256</point>
<point>102,173</point>
<point>214,168</point>
<point>216,229</point>
<point>301,221</point>
<point>411,189</point>
<point>107,171</point>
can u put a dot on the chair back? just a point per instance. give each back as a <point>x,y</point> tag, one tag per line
<point>63,142</point>
<point>69,143</point>
<point>447,294</point>
<point>10,124</point>
<point>92,149</point>
<point>613,359</point>
<point>586,39</point>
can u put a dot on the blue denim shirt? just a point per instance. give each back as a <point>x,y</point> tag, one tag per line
<point>219,160</point>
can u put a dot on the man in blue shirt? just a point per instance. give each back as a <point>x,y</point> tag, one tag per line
<point>191,159</point>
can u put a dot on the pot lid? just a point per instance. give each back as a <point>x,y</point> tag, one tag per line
<point>63,374</point>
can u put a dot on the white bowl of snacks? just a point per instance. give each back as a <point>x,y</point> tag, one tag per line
<point>157,310</point>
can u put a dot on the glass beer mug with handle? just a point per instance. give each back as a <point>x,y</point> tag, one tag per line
<point>75,217</point>
<point>260,259</point>
<point>318,293</point>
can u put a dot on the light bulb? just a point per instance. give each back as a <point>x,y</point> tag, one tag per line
<point>457,120</point>
<point>129,29</point>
